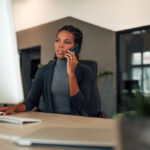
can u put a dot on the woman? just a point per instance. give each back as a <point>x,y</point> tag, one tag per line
<point>63,83</point>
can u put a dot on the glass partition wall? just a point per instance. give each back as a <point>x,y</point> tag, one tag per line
<point>133,65</point>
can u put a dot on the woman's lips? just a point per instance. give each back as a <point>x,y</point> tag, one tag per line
<point>61,52</point>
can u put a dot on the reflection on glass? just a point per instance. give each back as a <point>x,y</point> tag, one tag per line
<point>136,59</point>
<point>134,65</point>
<point>146,58</point>
<point>146,81</point>
<point>137,75</point>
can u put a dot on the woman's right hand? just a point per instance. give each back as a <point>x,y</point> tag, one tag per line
<point>11,109</point>
<point>8,109</point>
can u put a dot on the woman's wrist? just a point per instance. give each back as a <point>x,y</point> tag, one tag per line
<point>71,74</point>
<point>20,107</point>
<point>14,108</point>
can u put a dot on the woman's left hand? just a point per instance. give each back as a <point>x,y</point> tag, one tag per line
<point>72,62</point>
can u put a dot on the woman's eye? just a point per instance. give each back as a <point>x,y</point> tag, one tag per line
<point>57,40</point>
<point>67,42</point>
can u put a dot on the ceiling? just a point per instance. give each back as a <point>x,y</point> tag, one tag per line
<point>114,15</point>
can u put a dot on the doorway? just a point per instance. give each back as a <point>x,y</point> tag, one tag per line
<point>29,62</point>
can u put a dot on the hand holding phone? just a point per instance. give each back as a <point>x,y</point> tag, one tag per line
<point>75,49</point>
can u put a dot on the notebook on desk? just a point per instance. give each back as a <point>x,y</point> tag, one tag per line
<point>70,137</point>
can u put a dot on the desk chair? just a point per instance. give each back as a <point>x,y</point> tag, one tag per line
<point>94,105</point>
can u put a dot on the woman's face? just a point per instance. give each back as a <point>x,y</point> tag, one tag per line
<point>64,42</point>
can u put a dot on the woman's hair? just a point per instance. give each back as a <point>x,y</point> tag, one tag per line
<point>78,35</point>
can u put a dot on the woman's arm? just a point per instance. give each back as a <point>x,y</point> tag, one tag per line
<point>72,63</point>
<point>79,94</point>
<point>73,85</point>
<point>80,100</point>
<point>35,92</point>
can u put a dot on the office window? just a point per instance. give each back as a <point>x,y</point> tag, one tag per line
<point>140,65</point>
<point>146,57</point>
<point>133,64</point>
<point>136,59</point>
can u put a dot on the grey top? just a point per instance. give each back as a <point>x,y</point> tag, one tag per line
<point>42,87</point>
<point>60,88</point>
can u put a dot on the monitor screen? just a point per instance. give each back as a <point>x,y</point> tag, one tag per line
<point>11,90</point>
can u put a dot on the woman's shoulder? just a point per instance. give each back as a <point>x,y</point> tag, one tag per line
<point>47,67</point>
<point>84,67</point>
<point>49,64</point>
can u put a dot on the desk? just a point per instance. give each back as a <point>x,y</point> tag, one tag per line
<point>54,121</point>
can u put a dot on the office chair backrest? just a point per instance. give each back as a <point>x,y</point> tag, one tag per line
<point>94,106</point>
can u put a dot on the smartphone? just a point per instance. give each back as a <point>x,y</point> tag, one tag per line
<point>75,49</point>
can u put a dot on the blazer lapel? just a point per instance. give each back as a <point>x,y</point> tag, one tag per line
<point>78,73</point>
<point>49,77</point>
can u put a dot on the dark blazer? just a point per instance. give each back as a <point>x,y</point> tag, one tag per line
<point>42,87</point>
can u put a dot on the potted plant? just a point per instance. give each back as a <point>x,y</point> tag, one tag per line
<point>104,73</point>
<point>134,126</point>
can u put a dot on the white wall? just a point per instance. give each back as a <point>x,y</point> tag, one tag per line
<point>111,14</point>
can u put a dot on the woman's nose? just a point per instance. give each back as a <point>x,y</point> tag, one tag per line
<point>61,44</point>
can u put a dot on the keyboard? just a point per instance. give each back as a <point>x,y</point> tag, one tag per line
<point>18,120</point>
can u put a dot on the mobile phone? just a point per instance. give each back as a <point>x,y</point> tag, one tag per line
<point>75,49</point>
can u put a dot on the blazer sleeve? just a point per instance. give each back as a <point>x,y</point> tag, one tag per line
<point>35,92</point>
<point>80,100</point>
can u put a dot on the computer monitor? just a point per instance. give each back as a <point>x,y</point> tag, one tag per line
<point>11,89</point>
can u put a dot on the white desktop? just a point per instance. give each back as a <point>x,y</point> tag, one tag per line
<point>11,90</point>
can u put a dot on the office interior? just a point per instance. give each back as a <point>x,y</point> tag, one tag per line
<point>116,36</point>
<point>106,25</point>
